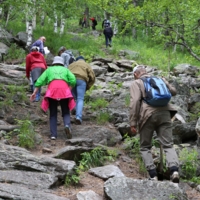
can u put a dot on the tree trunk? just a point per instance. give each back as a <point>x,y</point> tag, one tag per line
<point>62,25</point>
<point>8,15</point>
<point>42,19</point>
<point>29,34</point>
<point>87,16</point>
<point>55,23</point>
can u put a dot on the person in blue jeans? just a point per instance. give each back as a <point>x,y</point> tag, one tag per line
<point>85,78</point>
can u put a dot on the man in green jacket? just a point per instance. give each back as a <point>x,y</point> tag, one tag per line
<point>85,78</point>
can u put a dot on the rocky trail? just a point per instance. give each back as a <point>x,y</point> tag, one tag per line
<point>40,171</point>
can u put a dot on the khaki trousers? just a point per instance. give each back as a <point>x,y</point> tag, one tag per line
<point>161,123</point>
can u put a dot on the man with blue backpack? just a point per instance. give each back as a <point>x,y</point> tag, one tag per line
<point>149,112</point>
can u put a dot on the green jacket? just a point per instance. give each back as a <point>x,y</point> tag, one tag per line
<point>83,71</point>
<point>56,73</point>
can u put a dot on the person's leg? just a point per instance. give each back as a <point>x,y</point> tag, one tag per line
<point>80,90</point>
<point>164,132</point>
<point>110,41</point>
<point>146,134</point>
<point>66,116</point>
<point>106,39</point>
<point>53,117</point>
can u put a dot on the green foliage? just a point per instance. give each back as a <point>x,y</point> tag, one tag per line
<point>98,103</point>
<point>103,117</point>
<point>26,133</point>
<point>14,52</point>
<point>189,162</point>
<point>132,145</point>
<point>97,157</point>
<point>127,100</point>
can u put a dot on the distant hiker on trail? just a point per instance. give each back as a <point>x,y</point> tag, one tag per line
<point>94,23</point>
<point>149,119</point>
<point>67,56</point>
<point>105,23</point>
<point>85,79</point>
<point>84,20</point>
<point>35,65</point>
<point>40,43</point>
<point>108,32</point>
<point>60,81</point>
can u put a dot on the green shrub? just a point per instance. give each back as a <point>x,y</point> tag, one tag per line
<point>14,52</point>
<point>97,157</point>
<point>189,162</point>
<point>26,133</point>
<point>98,103</point>
<point>103,117</point>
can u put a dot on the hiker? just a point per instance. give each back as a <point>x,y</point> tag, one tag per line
<point>149,119</point>
<point>59,80</point>
<point>105,23</point>
<point>67,56</point>
<point>94,23</point>
<point>40,43</point>
<point>108,32</point>
<point>84,21</point>
<point>35,66</point>
<point>85,78</point>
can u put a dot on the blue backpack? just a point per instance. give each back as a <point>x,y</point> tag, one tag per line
<point>157,93</point>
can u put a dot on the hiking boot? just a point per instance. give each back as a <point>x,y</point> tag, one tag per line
<point>68,132</point>
<point>154,178</point>
<point>78,121</point>
<point>175,177</point>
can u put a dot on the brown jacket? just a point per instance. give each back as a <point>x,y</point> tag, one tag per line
<point>83,71</point>
<point>139,110</point>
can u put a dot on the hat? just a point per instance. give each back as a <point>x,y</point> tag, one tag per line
<point>80,57</point>
<point>58,60</point>
<point>35,48</point>
<point>61,48</point>
<point>138,66</point>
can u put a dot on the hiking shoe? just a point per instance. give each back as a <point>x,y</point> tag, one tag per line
<point>53,138</point>
<point>155,178</point>
<point>78,121</point>
<point>175,177</point>
<point>68,132</point>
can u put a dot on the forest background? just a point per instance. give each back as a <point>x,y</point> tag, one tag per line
<point>164,33</point>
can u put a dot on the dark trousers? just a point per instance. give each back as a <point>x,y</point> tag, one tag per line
<point>108,39</point>
<point>53,105</point>
<point>161,123</point>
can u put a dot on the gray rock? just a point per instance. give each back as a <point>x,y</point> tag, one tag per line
<point>106,172</point>
<point>132,189</point>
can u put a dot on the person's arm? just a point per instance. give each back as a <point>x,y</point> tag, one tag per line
<point>171,88</point>
<point>91,77</point>
<point>135,104</point>
<point>28,66</point>
<point>32,97</point>
<point>71,78</point>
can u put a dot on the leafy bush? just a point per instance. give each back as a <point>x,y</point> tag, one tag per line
<point>189,162</point>
<point>26,133</point>
<point>14,52</point>
<point>103,117</point>
<point>98,103</point>
<point>97,157</point>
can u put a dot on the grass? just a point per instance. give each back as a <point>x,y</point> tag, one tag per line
<point>150,53</point>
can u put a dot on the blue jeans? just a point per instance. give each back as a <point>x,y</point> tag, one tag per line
<point>79,92</point>
<point>53,104</point>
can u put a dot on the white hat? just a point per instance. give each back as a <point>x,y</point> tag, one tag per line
<point>58,60</point>
<point>138,66</point>
<point>35,48</point>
